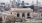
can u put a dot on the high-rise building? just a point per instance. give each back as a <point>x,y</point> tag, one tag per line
<point>37,2</point>
<point>10,3</point>
<point>37,6</point>
<point>18,1</point>
<point>32,2</point>
<point>14,3</point>
<point>23,3</point>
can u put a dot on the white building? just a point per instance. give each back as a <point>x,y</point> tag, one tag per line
<point>25,12</point>
<point>21,12</point>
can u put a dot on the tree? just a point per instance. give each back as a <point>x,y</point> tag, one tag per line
<point>18,4</point>
<point>24,7</point>
<point>6,9</point>
<point>32,7</point>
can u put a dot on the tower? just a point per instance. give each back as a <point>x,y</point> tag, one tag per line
<point>37,2</point>
<point>23,3</point>
<point>18,1</point>
<point>32,2</point>
<point>14,4</point>
<point>10,3</point>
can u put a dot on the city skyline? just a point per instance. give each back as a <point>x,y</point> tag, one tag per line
<point>27,1</point>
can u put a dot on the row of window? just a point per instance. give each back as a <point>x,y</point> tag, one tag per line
<point>23,15</point>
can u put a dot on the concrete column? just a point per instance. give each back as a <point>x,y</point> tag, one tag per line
<point>40,15</point>
<point>21,15</point>
<point>3,18</point>
<point>14,14</point>
<point>25,15</point>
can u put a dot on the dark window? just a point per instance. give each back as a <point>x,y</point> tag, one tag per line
<point>17,14</point>
<point>28,14</point>
<point>23,15</point>
<point>2,3</point>
<point>11,13</point>
<point>41,15</point>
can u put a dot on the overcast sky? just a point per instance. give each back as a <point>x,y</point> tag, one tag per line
<point>30,1</point>
<point>27,1</point>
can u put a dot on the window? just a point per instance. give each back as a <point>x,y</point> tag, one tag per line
<point>23,15</point>
<point>41,15</point>
<point>2,3</point>
<point>17,14</point>
<point>11,13</point>
<point>28,14</point>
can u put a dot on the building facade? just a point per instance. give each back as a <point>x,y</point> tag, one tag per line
<point>25,12</point>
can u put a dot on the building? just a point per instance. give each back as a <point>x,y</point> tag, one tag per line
<point>22,11</point>
<point>23,3</point>
<point>14,4</point>
<point>18,1</point>
<point>25,12</point>
<point>2,4</point>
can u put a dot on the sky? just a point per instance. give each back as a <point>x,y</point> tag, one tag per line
<point>5,1</point>
<point>27,1</point>
<point>30,1</point>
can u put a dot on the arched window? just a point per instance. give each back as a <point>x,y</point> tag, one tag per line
<point>41,15</point>
<point>28,14</point>
<point>23,15</point>
<point>17,14</point>
<point>11,13</point>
